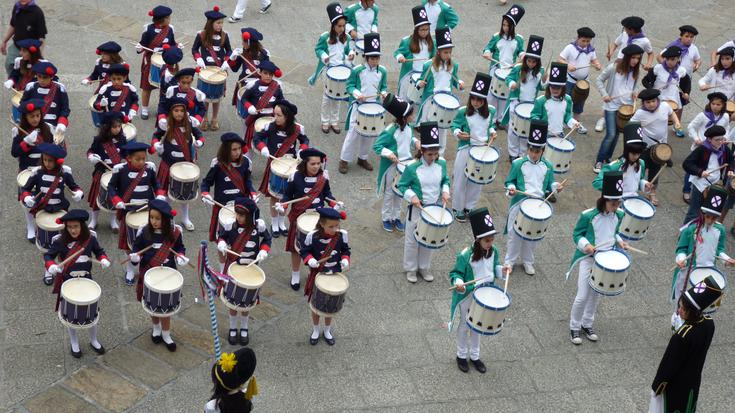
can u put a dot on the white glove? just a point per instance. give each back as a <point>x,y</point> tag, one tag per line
<point>60,128</point>
<point>200,62</point>
<point>9,84</point>
<point>138,48</point>
<point>339,206</point>
<point>252,110</point>
<point>158,146</point>
<point>221,246</point>
<point>263,254</point>
<point>94,158</point>
<point>163,124</point>
<point>207,199</point>
<point>345,264</point>
<point>198,143</point>
<point>104,102</point>
<point>29,201</point>
<point>181,260</point>
<point>120,205</point>
<point>159,49</point>
<point>265,152</point>
<point>85,81</point>
<point>313,263</point>
<point>261,225</point>
<point>131,114</point>
<point>194,122</point>
<point>225,66</point>
<point>105,263</point>
<point>77,195</point>
<point>235,53</point>
<point>161,197</point>
<point>54,269</point>
<point>134,257</point>
<point>31,137</point>
<point>279,208</point>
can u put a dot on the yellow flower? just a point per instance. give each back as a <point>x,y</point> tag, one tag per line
<point>227,362</point>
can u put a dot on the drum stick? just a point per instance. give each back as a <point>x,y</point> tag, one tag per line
<point>142,208</point>
<point>452,288</point>
<point>524,193</point>
<point>143,47</point>
<point>248,62</point>
<point>429,214</point>
<point>248,76</point>
<point>716,169</point>
<point>417,59</point>
<point>18,126</point>
<point>109,168</point>
<point>71,257</point>
<point>293,200</point>
<point>180,255</point>
<point>252,262</point>
<point>637,250</point>
<point>228,207</point>
<point>571,131</point>
<point>507,278</point>
<point>58,138</point>
<point>657,174</point>
<point>677,265</point>
<point>134,204</point>
<point>229,251</point>
<point>136,252</point>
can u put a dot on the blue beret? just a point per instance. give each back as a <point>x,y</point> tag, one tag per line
<point>29,105</point>
<point>268,66</point>
<point>160,11</point>
<point>109,47</point>
<point>290,106</point>
<point>109,117</point>
<point>162,206</point>
<point>309,152</point>
<point>172,55</point>
<point>214,14</point>
<point>52,150</point>
<point>135,146</point>
<point>177,101</point>
<point>75,215</point>
<point>246,205</point>
<point>44,67</point>
<point>28,43</point>
<point>119,69</point>
<point>253,34</point>
<point>185,72</point>
<point>329,213</point>
<point>231,137</point>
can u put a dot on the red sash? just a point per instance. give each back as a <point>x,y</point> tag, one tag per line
<point>122,239</point>
<point>44,199</point>
<point>121,99</point>
<point>49,98</point>
<point>59,279</point>
<point>238,246</point>
<point>111,152</point>
<point>267,95</point>
<point>285,146</point>
<point>157,260</point>
<point>314,271</point>
<point>145,66</point>
<point>182,142</point>
<point>23,81</point>
<point>235,178</point>
<point>299,208</point>
<point>214,56</point>
<point>94,189</point>
<point>158,39</point>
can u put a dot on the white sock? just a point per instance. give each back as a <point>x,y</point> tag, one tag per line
<point>30,226</point>
<point>328,331</point>
<point>282,222</point>
<point>47,275</point>
<point>244,321</point>
<point>129,271</point>
<point>144,110</point>
<point>93,219</point>
<point>156,330</point>
<point>166,334</point>
<point>113,222</point>
<point>233,322</point>
<point>93,337</point>
<point>315,331</point>
<point>295,277</point>
<point>222,267</point>
<point>74,339</point>
<point>274,224</point>
<point>185,214</point>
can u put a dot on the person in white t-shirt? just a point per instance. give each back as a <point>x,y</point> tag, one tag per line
<point>690,59</point>
<point>671,78</point>
<point>579,56</point>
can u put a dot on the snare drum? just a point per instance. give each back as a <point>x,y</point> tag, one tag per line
<point>730,106</point>
<point>78,303</point>
<point>241,111</point>
<point>442,109</point>
<point>96,114</point>
<point>184,182</point>
<point>533,219</point>
<point>559,154</point>
<point>133,222</point>
<point>329,293</point>
<point>431,233</point>
<point>212,82</point>
<point>498,87</point>
<point>521,119</point>
<point>610,272</point>
<point>674,107</point>
<point>104,201</point>
<point>262,122</point>
<point>225,219</point>
<point>162,291</point>
<point>47,228</point>
<point>154,76</point>
<point>335,83</point>
<point>625,112</point>
<point>580,92</point>
<point>242,291</point>
<point>637,219</point>
<point>400,167</point>
<point>370,119</point>
<point>486,314</point>
<point>130,131</point>
<point>661,153</point>
<point>281,170</point>
<point>22,179</point>
<point>414,91</point>
<point>482,163</point>
<point>306,223</point>
<point>15,100</point>
<point>699,274</point>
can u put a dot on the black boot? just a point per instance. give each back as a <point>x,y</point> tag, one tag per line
<point>462,364</point>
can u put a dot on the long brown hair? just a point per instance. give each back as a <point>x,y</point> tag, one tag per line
<point>115,58</point>
<point>207,35</point>
<point>477,252</point>
<point>84,234</point>
<point>718,66</point>
<point>45,130</point>
<point>290,120</point>
<point>172,124</point>
<point>484,110</point>
<point>333,34</point>
<point>623,66</point>
<point>415,46</point>
<point>167,228</point>
<point>105,131</point>
<point>301,167</point>
<point>254,51</point>
<point>223,153</point>
<point>437,62</point>
<point>35,58</point>
<point>525,69</point>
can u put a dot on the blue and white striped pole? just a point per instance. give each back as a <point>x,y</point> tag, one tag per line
<point>208,283</point>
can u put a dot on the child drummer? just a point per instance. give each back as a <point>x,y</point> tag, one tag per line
<point>414,50</point>
<point>117,95</point>
<point>531,175</point>
<point>155,35</point>
<point>596,230</point>
<point>75,240</point>
<point>260,97</point>
<point>579,56</point>
<point>56,100</point>
<point>181,88</point>
<point>325,251</point>
<point>555,107</point>
<point>630,163</point>
<point>423,183</point>
<point>480,261</point>
<point>248,237</point>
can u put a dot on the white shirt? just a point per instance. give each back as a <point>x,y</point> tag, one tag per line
<point>529,88</point>
<point>506,50</point>
<point>430,177</point>
<point>604,226</point>
<point>687,61</point>
<point>703,183</point>
<point>478,128</point>
<point>369,81</point>
<point>484,268</point>
<point>622,89</point>
<point>442,78</point>
<point>707,248</point>
<point>336,53</point>
<point>418,64</point>
<point>631,181</point>
<point>571,55</point>
<point>533,176</point>
<point>364,18</point>
<point>555,110</point>
<point>403,142</point>
<point>622,42</point>
<point>722,84</point>
<point>655,124</point>
<point>669,89</point>
<point>698,125</point>
<point>432,12</point>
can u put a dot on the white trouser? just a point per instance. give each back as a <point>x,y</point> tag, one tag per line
<point>355,142</point>
<point>518,249</point>
<point>499,106</point>
<point>465,194</point>
<point>586,302</point>
<point>243,4</point>
<point>330,111</point>
<point>30,225</point>
<point>403,85</point>
<point>680,280</point>
<point>463,331</point>
<point>391,209</point>
<point>415,257</point>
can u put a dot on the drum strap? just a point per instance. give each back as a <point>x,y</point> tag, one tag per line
<point>235,177</point>
<point>285,146</point>
<point>51,189</point>
<point>239,245</point>
<point>314,271</point>
<point>300,207</point>
<point>111,152</point>
<point>127,195</point>
<point>267,95</point>
<point>49,97</point>
<point>121,99</point>
<point>158,39</point>
<point>59,279</point>
<point>214,56</point>
<point>182,142</point>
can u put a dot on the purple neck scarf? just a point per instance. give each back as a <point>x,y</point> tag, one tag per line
<point>580,50</point>
<point>640,35</point>
<point>719,152</point>
<point>672,72</point>
<point>712,120</point>
<point>19,7</point>
<point>680,45</point>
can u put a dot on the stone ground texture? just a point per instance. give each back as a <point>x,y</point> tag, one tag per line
<point>392,353</point>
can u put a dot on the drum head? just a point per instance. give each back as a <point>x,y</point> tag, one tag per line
<point>523,110</point>
<point>157,59</point>
<point>23,176</point>
<point>560,144</point>
<point>502,72</point>
<point>136,220</point>
<point>91,104</point>
<point>484,154</point>
<point>699,274</point>
<point>129,130</point>
<point>536,208</point>
<point>626,110</point>
<point>433,212</point>
<point>612,260</point>
<point>332,284</point>
<point>261,123</point>
<point>185,171</point>
<point>360,45</point>
<point>446,100</point>
<point>491,297</point>
<point>306,222</point>
<point>284,166</point>
<point>213,75</point>
<point>673,104</point>
<point>583,84</point>
<point>81,291</point>
<point>163,280</point>
<point>639,207</point>
<point>339,72</point>
<point>226,216</point>
<point>105,179</point>
<point>372,109</point>
<point>251,277</point>
<point>47,220</point>
<point>662,151</point>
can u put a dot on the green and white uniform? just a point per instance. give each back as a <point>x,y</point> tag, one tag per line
<point>363,81</point>
<point>417,65</point>
<point>506,51</point>
<point>440,15</point>
<point>558,112</point>
<point>633,181</point>
<point>709,246</point>
<point>398,142</point>
<point>337,54</point>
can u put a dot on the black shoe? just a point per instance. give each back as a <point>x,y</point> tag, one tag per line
<point>232,337</point>
<point>156,339</point>
<point>284,232</point>
<point>479,365</point>
<point>170,346</point>
<point>264,10</point>
<point>32,240</point>
<point>48,281</point>
<point>329,341</point>
<point>100,350</point>
<point>313,341</point>
<point>76,354</point>
<point>275,234</point>
<point>129,282</point>
<point>552,198</point>
<point>462,364</point>
<point>244,340</point>
<point>590,334</point>
<point>296,286</point>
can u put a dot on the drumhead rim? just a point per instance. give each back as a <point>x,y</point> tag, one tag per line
<point>544,202</point>
<point>242,284</point>
<point>497,154</point>
<point>430,220</point>
<point>599,265</point>
<point>83,283</point>
<point>524,105</point>
<point>166,273</point>
<point>132,218</point>
<point>495,287</point>
<point>550,141</point>
<point>47,220</point>
<point>717,272</point>
<point>342,277</point>
<point>633,214</point>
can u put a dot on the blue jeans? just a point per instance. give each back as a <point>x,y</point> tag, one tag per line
<point>687,185</point>
<point>576,108</point>
<point>607,147</point>
<point>695,203</point>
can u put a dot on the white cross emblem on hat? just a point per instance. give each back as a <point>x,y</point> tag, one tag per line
<point>422,13</point>
<point>700,287</point>
<point>479,85</point>
<point>537,134</point>
<point>375,43</point>
<point>338,9</point>
<point>640,132</point>
<point>435,133</point>
<point>535,46</point>
<point>619,185</point>
<point>514,11</point>
<point>488,220</point>
<point>447,36</point>
<point>716,201</point>
<point>555,72</point>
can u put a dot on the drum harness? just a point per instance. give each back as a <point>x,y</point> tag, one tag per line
<point>60,276</point>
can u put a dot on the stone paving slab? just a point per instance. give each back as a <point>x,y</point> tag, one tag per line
<point>57,397</point>
<point>106,388</point>
<point>135,363</point>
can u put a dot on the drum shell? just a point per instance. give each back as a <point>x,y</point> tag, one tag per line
<point>241,111</point>
<point>370,123</point>
<point>22,179</point>
<point>559,158</point>
<point>700,273</point>
<point>132,225</point>
<point>305,223</point>
<point>607,281</point>
<point>414,91</point>
<point>731,187</point>
<point>154,76</point>
<point>430,234</point>
<point>675,107</point>
<point>104,201</point>
<point>96,114</point>
<point>498,87</point>
<point>78,314</point>
<point>240,295</point>
<point>212,89</point>
<point>183,189</point>
<point>359,52</point>
<point>324,302</point>
<point>400,167</point>
<point>47,228</point>
<point>130,131</point>
<point>520,122</point>
<point>441,114</point>
<point>635,226</point>
<point>580,92</point>
<point>625,112</point>
<point>161,303</point>
<point>661,153</point>
<point>79,311</point>
<point>730,106</point>
<point>335,87</point>
<point>479,171</point>
<point>532,228</point>
<point>484,318</point>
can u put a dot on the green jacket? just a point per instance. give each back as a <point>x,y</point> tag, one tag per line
<point>539,109</point>
<point>492,47</point>
<point>685,246</point>
<point>463,270</point>
<point>585,229</point>
<point>349,14</point>
<point>410,179</point>
<point>321,49</point>
<point>354,83</point>
<point>447,17</point>
<point>428,75</point>
<point>386,140</point>
<point>516,178</point>
<point>615,166</point>
<point>515,76</point>
<point>460,122</point>
<point>405,51</point>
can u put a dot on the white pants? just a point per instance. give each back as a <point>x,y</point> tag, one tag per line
<point>330,111</point>
<point>391,209</point>
<point>499,106</point>
<point>463,331</point>
<point>586,302</point>
<point>355,142</point>
<point>30,225</point>
<point>465,194</point>
<point>518,249</point>
<point>243,4</point>
<point>415,257</point>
